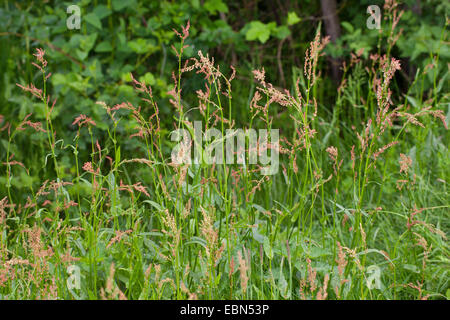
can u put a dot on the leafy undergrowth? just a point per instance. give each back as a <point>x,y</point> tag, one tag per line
<point>358,209</point>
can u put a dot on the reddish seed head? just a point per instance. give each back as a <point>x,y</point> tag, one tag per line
<point>83,120</point>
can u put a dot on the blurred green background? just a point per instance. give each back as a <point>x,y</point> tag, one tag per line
<point>122,36</point>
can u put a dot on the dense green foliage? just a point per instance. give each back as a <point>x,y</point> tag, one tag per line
<point>364,163</point>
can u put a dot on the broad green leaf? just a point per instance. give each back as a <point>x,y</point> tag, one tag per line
<point>148,79</point>
<point>119,5</point>
<point>347,26</point>
<point>88,42</point>
<point>103,46</point>
<point>143,46</point>
<point>102,11</point>
<point>257,236</point>
<point>293,18</point>
<point>214,6</point>
<point>81,54</point>
<point>268,248</point>
<point>154,204</point>
<point>282,32</point>
<point>259,208</point>
<point>412,268</point>
<point>93,20</point>
<point>258,31</point>
<point>197,240</point>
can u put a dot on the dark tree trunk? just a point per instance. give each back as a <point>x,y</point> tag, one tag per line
<point>333,29</point>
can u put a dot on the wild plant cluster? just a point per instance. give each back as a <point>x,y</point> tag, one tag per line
<point>359,208</point>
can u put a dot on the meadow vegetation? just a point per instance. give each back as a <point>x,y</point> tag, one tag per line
<point>359,208</point>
